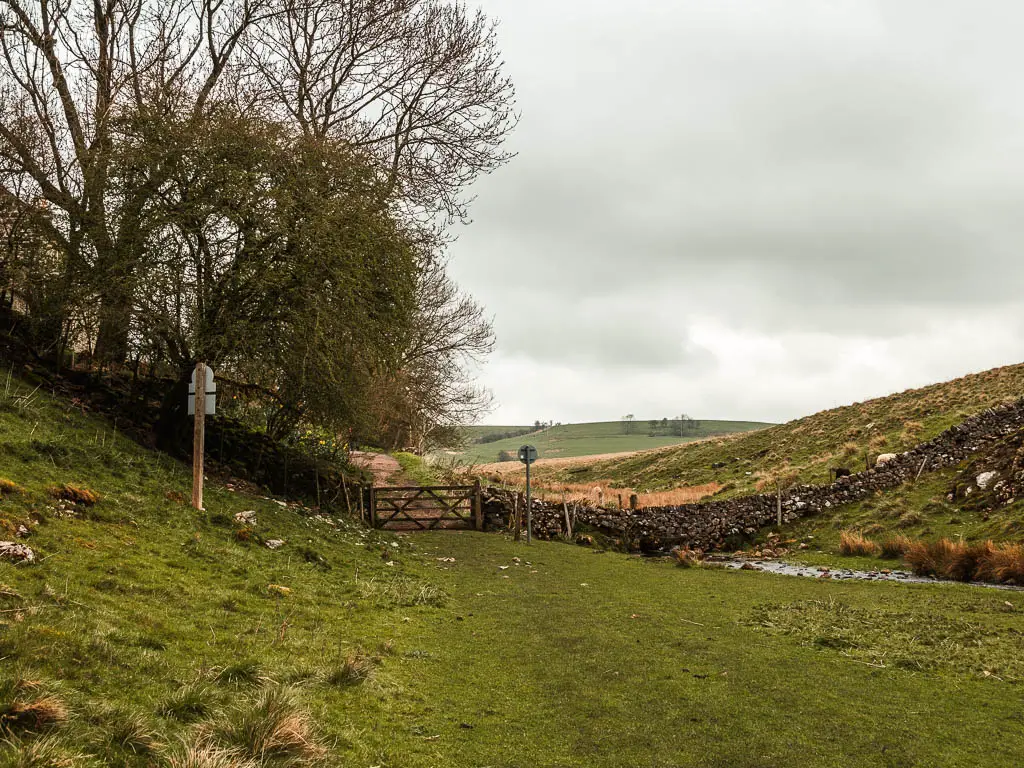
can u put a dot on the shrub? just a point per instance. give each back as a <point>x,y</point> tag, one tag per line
<point>894,546</point>
<point>853,543</point>
<point>75,494</point>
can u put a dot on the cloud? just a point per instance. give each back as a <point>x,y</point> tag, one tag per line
<point>829,192</point>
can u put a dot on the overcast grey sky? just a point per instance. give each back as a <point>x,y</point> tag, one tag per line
<point>750,209</point>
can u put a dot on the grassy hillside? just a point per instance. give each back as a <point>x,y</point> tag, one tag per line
<point>805,449</point>
<point>148,634</point>
<point>571,440</point>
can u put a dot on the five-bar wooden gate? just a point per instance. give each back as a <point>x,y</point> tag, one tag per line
<point>426,508</point>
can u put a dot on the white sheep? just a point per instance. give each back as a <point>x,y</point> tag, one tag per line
<point>884,458</point>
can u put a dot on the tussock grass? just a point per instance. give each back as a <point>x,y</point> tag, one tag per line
<point>125,730</point>
<point>191,702</point>
<point>199,754</point>
<point>910,519</point>
<point>50,751</point>
<point>399,591</point>
<point>852,543</point>
<point>894,546</point>
<point>26,708</point>
<point>9,487</point>
<point>357,667</point>
<point>75,494</point>
<point>984,561</point>
<point>272,729</point>
<point>245,671</point>
<point>687,558</point>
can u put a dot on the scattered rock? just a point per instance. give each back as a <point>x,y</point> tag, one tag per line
<point>248,517</point>
<point>18,553</point>
<point>747,567</point>
<point>22,532</point>
<point>985,479</point>
<point>274,543</point>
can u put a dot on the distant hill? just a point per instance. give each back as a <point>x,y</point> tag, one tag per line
<point>805,449</point>
<point>589,439</point>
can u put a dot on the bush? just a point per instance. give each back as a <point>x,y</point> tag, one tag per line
<point>853,543</point>
<point>687,558</point>
<point>505,456</point>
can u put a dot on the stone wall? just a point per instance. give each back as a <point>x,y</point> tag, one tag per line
<point>707,525</point>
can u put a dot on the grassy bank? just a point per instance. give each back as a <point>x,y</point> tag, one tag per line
<point>805,449</point>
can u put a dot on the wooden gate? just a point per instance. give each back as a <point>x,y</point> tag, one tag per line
<point>426,508</point>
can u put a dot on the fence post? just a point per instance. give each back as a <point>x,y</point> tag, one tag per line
<point>373,507</point>
<point>478,512</point>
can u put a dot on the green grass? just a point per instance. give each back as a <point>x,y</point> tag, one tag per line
<point>153,623</point>
<point>415,470</point>
<point>805,449</point>
<point>589,439</point>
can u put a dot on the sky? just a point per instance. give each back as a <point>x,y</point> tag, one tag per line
<point>749,209</point>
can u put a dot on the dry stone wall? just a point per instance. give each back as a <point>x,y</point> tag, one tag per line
<point>708,525</point>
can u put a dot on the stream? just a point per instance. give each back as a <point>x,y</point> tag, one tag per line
<point>847,574</point>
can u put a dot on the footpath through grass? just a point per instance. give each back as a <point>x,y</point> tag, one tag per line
<point>153,625</point>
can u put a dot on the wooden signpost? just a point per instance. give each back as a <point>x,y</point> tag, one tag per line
<point>202,401</point>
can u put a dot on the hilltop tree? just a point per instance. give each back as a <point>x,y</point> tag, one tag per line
<point>627,424</point>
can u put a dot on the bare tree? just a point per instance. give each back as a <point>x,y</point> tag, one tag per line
<point>88,91</point>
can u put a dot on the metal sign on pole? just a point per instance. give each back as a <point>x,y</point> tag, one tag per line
<point>528,455</point>
<point>202,401</point>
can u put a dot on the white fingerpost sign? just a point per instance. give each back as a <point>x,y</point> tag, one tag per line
<point>210,391</point>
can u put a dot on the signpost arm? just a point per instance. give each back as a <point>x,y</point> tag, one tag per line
<point>199,436</point>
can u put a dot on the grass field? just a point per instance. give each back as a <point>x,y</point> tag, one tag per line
<point>144,627</point>
<point>572,440</point>
<point>805,449</point>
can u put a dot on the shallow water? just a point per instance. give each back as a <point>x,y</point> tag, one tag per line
<point>846,574</point>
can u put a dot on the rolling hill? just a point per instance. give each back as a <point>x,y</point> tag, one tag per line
<point>589,439</point>
<point>803,450</point>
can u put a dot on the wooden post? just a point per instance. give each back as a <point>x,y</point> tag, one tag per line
<point>529,508</point>
<point>620,501</point>
<point>478,510</point>
<point>373,507</point>
<point>199,437</point>
<point>568,522</point>
<point>634,500</point>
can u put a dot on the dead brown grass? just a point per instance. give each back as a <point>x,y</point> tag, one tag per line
<point>75,494</point>
<point>33,715</point>
<point>894,546</point>
<point>8,487</point>
<point>685,557</point>
<point>984,561</point>
<point>602,492</point>
<point>852,543</point>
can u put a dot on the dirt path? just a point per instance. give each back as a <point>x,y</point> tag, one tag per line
<point>382,466</point>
